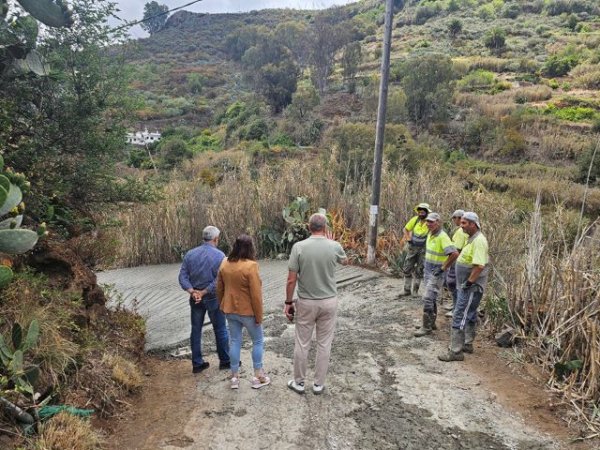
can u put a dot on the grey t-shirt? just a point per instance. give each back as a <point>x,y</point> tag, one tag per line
<point>314,260</point>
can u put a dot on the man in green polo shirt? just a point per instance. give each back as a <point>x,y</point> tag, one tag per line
<point>440,254</point>
<point>312,267</point>
<point>471,279</point>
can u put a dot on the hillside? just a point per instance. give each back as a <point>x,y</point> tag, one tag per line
<point>534,99</point>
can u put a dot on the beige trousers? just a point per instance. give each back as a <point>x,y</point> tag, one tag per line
<point>310,314</point>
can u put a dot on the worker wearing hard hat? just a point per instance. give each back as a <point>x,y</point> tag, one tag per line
<point>415,234</point>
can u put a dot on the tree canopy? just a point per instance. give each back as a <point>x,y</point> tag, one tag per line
<point>155,17</point>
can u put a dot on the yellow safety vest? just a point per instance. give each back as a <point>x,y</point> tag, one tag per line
<point>438,247</point>
<point>419,231</point>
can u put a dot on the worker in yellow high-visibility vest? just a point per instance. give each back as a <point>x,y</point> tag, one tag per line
<point>440,253</point>
<point>471,279</point>
<point>459,239</point>
<point>415,234</point>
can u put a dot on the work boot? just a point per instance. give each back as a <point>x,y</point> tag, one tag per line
<point>470,331</point>
<point>407,283</point>
<point>416,286</point>
<point>457,342</point>
<point>426,327</point>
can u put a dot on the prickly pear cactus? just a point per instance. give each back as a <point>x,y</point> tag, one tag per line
<point>52,13</point>
<point>13,239</point>
<point>18,34</point>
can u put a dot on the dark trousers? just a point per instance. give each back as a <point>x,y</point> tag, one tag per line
<point>217,318</point>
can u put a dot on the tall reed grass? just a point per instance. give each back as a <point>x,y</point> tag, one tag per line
<point>554,297</point>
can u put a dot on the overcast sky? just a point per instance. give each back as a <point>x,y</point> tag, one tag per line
<point>134,9</point>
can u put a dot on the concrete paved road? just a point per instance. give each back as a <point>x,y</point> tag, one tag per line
<point>154,292</point>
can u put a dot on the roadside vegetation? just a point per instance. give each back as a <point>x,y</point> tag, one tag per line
<point>64,356</point>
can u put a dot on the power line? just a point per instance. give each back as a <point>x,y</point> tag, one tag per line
<point>130,24</point>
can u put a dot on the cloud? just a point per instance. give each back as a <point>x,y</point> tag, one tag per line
<point>131,10</point>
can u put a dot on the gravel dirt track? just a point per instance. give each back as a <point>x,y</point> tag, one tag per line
<point>385,388</point>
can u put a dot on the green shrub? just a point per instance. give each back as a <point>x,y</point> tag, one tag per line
<point>426,12</point>
<point>495,39</point>
<point>583,165</point>
<point>486,12</point>
<point>173,151</point>
<point>256,130</point>
<point>477,81</point>
<point>455,27</point>
<point>559,66</point>
<point>511,11</point>
<point>572,113</point>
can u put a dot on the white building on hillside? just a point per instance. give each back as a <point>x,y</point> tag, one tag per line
<point>143,137</point>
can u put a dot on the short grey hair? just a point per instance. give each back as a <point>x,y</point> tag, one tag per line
<point>210,233</point>
<point>317,222</point>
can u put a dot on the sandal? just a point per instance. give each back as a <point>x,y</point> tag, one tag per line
<point>258,382</point>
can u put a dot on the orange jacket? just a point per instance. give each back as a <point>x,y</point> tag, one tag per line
<point>239,289</point>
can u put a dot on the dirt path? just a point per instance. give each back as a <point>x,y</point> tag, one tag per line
<point>385,390</point>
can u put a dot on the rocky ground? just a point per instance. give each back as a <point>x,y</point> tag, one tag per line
<point>385,390</point>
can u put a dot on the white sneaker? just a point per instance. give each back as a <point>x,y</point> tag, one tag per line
<point>298,388</point>
<point>235,383</point>
<point>318,389</point>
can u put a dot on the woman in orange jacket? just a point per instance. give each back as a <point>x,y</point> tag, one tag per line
<point>239,290</point>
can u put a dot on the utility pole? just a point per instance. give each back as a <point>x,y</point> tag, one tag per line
<point>381,112</point>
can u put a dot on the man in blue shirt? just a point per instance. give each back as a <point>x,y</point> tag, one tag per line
<point>198,277</point>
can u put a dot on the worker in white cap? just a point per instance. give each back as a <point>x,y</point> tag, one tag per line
<point>440,253</point>
<point>459,239</point>
<point>471,279</point>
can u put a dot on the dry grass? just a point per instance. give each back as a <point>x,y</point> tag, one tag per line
<point>587,76</point>
<point>124,372</point>
<point>491,63</point>
<point>533,93</point>
<point>67,432</point>
<point>552,191</point>
<point>494,106</point>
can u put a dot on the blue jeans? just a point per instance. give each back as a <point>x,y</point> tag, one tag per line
<point>465,310</point>
<point>217,318</point>
<point>236,324</point>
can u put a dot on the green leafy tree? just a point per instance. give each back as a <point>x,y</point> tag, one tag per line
<point>64,131</point>
<point>173,151</point>
<point>273,72</point>
<point>155,17</point>
<point>237,42</point>
<point>294,36</point>
<point>325,40</point>
<point>304,100</point>
<point>427,84</point>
